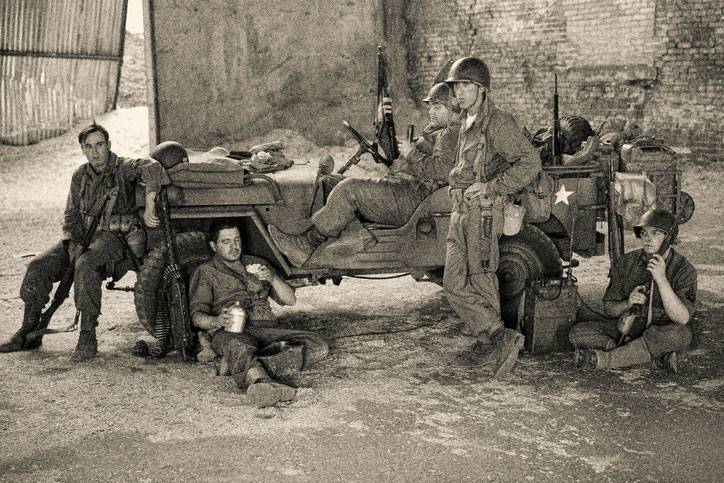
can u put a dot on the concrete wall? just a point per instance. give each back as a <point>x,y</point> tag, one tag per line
<point>233,69</point>
<point>657,63</point>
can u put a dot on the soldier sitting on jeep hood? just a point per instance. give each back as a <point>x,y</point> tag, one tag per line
<point>390,200</point>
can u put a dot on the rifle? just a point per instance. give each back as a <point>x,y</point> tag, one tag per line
<point>66,282</point>
<point>555,147</point>
<point>615,234</point>
<point>385,136</point>
<point>176,298</point>
<point>640,314</point>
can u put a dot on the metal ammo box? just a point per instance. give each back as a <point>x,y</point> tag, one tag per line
<point>549,312</point>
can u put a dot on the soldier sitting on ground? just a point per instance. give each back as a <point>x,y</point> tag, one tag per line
<point>119,232</point>
<point>227,280</point>
<point>665,331</point>
<point>390,200</point>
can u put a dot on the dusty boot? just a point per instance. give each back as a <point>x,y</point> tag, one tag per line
<point>480,354</point>
<point>634,353</point>
<point>668,362</point>
<point>265,393</point>
<point>585,358</point>
<point>508,344</point>
<point>19,340</point>
<point>87,346</point>
<point>298,248</point>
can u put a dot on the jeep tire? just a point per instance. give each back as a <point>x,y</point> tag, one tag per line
<point>528,255</point>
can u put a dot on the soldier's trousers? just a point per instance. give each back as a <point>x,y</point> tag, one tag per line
<point>48,268</point>
<point>603,334</point>
<point>391,200</point>
<point>239,349</point>
<point>470,283</point>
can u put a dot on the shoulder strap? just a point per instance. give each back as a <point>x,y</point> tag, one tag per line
<point>482,147</point>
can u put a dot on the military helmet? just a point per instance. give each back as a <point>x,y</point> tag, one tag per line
<point>169,154</point>
<point>659,219</point>
<point>469,69</point>
<point>440,93</point>
<point>574,131</point>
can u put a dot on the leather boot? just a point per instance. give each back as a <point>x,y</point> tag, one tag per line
<point>508,343</point>
<point>480,354</point>
<point>87,346</point>
<point>668,362</point>
<point>297,248</point>
<point>19,340</point>
<point>265,393</point>
<point>634,353</point>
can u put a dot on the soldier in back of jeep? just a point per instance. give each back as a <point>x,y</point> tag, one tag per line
<point>105,180</point>
<point>390,200</point>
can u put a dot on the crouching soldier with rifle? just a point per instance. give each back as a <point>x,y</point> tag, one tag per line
<point>100,230</point>
<point>653,293</point>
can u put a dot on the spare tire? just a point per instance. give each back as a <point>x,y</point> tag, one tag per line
<point>192,250</point>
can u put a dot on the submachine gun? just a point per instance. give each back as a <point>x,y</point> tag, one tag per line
<point>638,317</point>
<point>66,282</point>
<point>385,136</point>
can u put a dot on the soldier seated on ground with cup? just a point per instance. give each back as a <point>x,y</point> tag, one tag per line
<point>119,237</point>
<point>661,331</point>
<point>392,199</point>
<point>230,286</point>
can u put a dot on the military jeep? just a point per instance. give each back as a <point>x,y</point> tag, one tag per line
<point>579,202</point>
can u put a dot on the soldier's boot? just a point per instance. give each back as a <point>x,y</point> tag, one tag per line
<point>19,340</point>
<point>266,392</point>
<point>668,362</point>
<point>634,353</point>
<point>507,343</point>
<point>297,248</point>
<point>481,353</point>
<point>87,346</point>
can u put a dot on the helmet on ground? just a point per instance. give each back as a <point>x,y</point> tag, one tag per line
<point>574,131</point>
<point>169,154</point>
<point>440,93</point>
<point>469,69</point>
<point>659,219</point>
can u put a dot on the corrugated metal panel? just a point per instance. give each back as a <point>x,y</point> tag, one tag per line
<point>60,61</point>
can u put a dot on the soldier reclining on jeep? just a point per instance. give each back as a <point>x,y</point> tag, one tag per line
<point>390,200</point>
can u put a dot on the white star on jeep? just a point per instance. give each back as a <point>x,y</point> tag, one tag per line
<point>562,195</point>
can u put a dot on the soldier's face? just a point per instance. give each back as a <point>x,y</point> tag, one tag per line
<point>468,95</point>
<point>439,113</point>
<point>96,149</point>
<point>652,239</point>
<point>228,244</point>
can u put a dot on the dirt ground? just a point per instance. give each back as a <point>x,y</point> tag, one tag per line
<point>382,407</point>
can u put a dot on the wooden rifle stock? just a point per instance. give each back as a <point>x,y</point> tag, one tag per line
<point>385,129</point>
<point>555,146</point>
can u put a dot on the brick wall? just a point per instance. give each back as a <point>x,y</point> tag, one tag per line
<point>659,64</point>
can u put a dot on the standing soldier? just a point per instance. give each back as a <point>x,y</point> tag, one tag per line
<point>390,200</point>
<point>104,176</point>
<point>494,160</point>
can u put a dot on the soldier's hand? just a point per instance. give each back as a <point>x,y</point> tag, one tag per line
<point>637,297</point>
<point>405,147</point>
<point>149,214</point>
<point>224,320</point>
<point>74,249</point>
<point>657,268</point>
<point>264,274</point>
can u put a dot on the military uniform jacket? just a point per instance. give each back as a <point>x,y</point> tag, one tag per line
<point>510,162</point>
<point>120,177</point>
<point>433,169</point>
<point>631,272</point>
<point>215,285</point>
